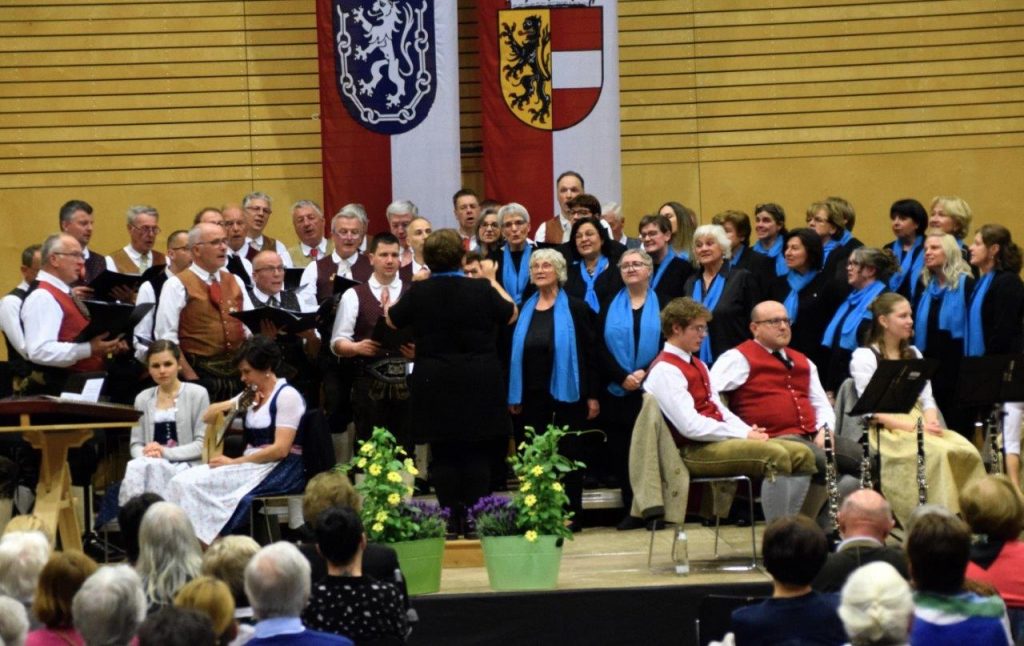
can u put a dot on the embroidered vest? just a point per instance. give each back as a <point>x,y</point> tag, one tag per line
<point>124,263</point>
<point>698,383</point>
<point>269,244</point>
<point>203,329</point>
<point>327,269</point>
<point>370,311</point>
<point>72,322</point>
<point>774,396</point>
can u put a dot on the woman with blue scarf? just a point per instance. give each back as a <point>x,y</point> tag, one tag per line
<point>631,331</point>
<point>867,272</point>
<point>552,377</point>
<point>809,305</point>
<point>669,274</point>
<point>994,316</point>
<point>683,222</point>
<point>940,321</point>
<point>729,293</point>
<point>770,229</point>
<point>514,257</point>
<point>592,257</point>
<point>953,215</point>
<point>737,228</point>
<point>831,219</point>
<point>909,220</point>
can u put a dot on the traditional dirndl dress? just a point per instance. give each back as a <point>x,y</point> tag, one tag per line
<point>152,475</point>
<point>216,500</point>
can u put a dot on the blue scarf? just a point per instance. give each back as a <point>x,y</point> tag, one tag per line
<point>774,252</point>
<point>710,301</point>
<point>796,283</point>
<point>458,273</point>
<point>683,255</point>
<point>565,374</point>
<point>591,296</point>
<point>951,311</point>
<point>975,344</point>
<point>911,262</point>
<point>829,246</point>
<point>737,254</point>
<point>618,334</point>
<point>661,271</point>
<point>514,279</point>
<point>856,305</point>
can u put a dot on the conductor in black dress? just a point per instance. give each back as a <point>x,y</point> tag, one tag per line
<point>457,386</point>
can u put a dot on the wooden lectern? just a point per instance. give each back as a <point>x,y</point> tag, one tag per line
<point>53,426</point>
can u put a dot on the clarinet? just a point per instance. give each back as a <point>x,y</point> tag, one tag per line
<point>865,460</point>
<point>831,477</point>
<point>922,482</point>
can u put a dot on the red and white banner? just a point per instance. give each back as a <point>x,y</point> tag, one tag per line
<point>549,74</point>
<point>389,106</point>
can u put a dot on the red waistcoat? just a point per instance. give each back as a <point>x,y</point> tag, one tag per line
<point>698,383</point>
<point>775,397</point>
<point>71,324</point>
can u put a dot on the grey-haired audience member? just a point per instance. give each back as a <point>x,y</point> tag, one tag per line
<point>876,606</point>
<point>110,606</point>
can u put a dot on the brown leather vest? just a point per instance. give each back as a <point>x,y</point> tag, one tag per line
<point>553,230</point>
<point>124,263</point>
<point>204,329</point>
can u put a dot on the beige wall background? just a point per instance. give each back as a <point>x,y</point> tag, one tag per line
<point>725,103</point>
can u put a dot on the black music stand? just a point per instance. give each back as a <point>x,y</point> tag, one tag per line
<point>894,388</point>
<point>988,383</point>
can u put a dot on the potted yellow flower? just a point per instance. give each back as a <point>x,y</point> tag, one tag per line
<point>522,537</point>
<point>414,529</point>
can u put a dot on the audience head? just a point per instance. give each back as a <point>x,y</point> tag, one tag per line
<point>938,547</point>
<point>109,607</point>
<point>682,314</point>
<point>993,506</point>
<point>803,250</point>
<point>865,512</point>
<point>876,606</point>
<point>952,215</point>
<point>169,552</point>
<point>277,581</point>
<point>171,626</point>
<point>60,579</point>
<point>442,251</point>
<point>226,559</point>
<point>22,557</point>
<point>129,517</point>
<point>328,489</point>
<point>339,535</point>
<point>13,622</point>
<point>212,597</point>
<point>547,260</point>
<point>794,550</point>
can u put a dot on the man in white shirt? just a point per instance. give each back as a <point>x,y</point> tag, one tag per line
<point>712,440</point>
<point>556,230</point>
<point>179,257</point>
<point>18,366</point>
<point>466,205</point>
<point>257,207</point>
<point>52,318</point>
<point>418,231</point>
<point>380,395</point>
<point>76,219</point>
<point>195,309</point>
<point>308,221</point>
<point>777,387</point>
<point>233,221</point>
<point>348,228</point>
<point>138,255</point>
<point>399,214</point>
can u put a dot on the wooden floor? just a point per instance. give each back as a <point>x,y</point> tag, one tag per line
<point>603,557</point>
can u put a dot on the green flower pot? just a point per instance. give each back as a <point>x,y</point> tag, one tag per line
<point>514,563</point>
<point>421,564</point>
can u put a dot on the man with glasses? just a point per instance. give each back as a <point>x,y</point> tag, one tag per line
<point>466,205</point>
<point>669,274</point>
<point>777,387</point>
<point>138,255</point>
<point>52,317</point>
<point>195,309</point>
<point>712,440</point>
<point>257,216</point>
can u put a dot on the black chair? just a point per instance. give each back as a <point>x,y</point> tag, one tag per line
<point>714,615</point>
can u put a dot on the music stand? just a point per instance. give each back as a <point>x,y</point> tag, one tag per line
<point>989,382</point>
<point>894,388</point>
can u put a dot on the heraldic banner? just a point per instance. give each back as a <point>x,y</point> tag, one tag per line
<point>389,105</point>
<point>549,76</point>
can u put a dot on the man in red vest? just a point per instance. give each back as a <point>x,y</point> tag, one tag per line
<point>711,439</point>
<point>777,387</point>
<point>52,317</point>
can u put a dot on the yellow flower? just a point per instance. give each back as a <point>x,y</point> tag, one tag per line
<point>377,527</point>
<point>381,516</point>
<point>393,476</point>
<point>366,448</point>
<point>375,469</point>
<point>557,486</point>
<point>537,470</point>
<point>410,467</point>
<point>410,490</point>
<point>530,500</point>
<point>400,451</point>
<point>525,486</point>
<point>531,535</point>
<point>361,463</point>
<point>394,499</point>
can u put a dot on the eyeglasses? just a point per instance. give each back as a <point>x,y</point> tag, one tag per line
<point>779,322</point>
<point>580,212</point>
<point>650,234</point>
<point>630,266</point>
<point>344,234</point>
<point>275,269</point>
<point>514,224</point>
<point>74,254</point>
<point>699,329</point>
<point>149,231</point>
<point>488,225</point>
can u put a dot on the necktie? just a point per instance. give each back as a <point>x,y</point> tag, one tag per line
<point>215,295</point>
<point>786,362</point>
<point>385,298</point>
<point>313,253</point>
<point>80,305</point>
<point>143,263</point>
<point>465,244</point>
<point>272,302</point>
<point>344,269</point>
